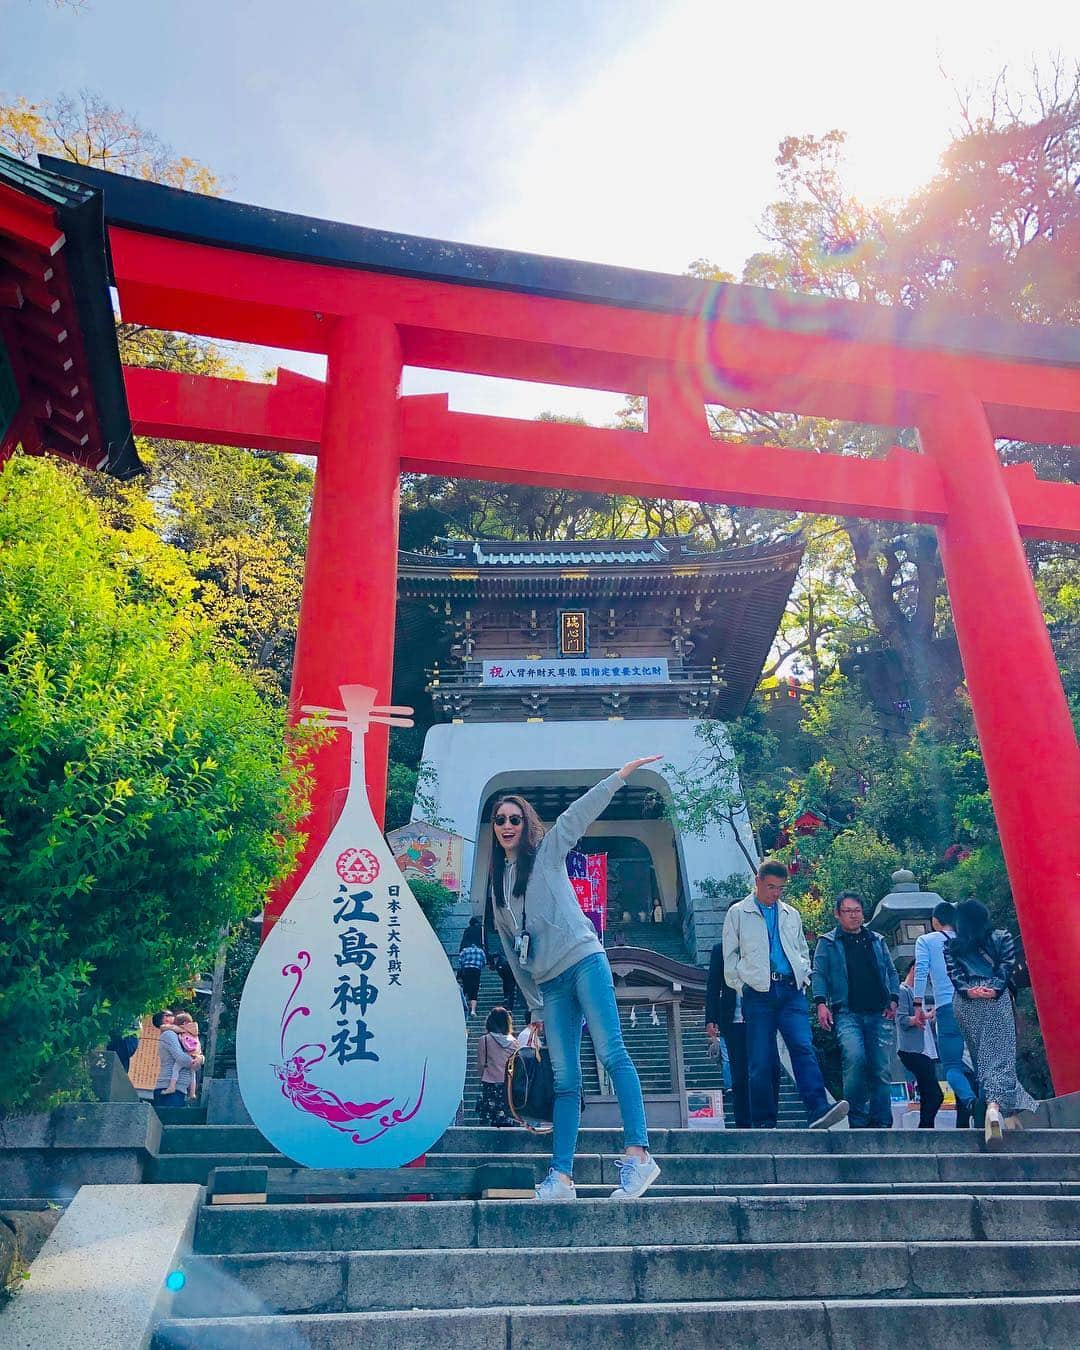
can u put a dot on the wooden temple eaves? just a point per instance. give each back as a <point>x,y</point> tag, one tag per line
<point>711,615</point>
<point>58,350</point>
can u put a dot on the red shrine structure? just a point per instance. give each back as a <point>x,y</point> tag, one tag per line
<point>61,385</point>
<point>375,302</point>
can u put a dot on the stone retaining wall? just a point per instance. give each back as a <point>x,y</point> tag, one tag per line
<point>52,1154</point>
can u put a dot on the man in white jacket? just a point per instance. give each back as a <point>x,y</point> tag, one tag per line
<point>767,962</point>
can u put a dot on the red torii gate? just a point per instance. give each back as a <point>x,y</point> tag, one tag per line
<point>374,302</point>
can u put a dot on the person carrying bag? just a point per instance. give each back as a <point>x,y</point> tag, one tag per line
<point>530,1085</point>
<point>559,963</point>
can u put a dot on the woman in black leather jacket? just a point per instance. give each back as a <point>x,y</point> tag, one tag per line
<point>981,961</point>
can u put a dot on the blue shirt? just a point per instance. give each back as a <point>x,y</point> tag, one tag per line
<point>777,957</point>
<point>930,966</point>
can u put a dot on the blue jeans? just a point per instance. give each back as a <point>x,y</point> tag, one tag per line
<point>733,1038</point>
<point>783,1009</point>
<point>866,1041</point>
<point>950,1042</point>
<point>586,990</point>
<point>169,1099</point>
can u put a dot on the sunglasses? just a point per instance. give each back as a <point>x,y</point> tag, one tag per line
<point>508,820</point>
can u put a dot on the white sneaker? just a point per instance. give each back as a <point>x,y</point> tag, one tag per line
<point>635,1177</point>
<point>835,1113</point>
<point>555,1187</point>
<point>993,1127</point>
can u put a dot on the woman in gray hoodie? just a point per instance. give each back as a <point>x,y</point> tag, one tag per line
<point>560,966</point>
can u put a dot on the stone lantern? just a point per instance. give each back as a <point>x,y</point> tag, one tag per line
<point>903,914</point>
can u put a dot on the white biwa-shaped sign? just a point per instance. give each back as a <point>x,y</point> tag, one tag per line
<point>350,1043</point>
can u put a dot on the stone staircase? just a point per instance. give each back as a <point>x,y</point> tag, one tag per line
<point>648,1048</point>
<point>848,1240</point>
<point>665,938</point>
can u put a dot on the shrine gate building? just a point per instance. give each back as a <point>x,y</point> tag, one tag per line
<point>559,662</point>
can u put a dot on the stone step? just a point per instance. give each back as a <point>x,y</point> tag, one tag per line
<point>374,1281</point>
<point>482,1140</point>
<point>1050,1323</point>
<point>485,1140</point>
<point>181,1115</point>
<point>945,1217</point>
<point>666,938</point>
<point>195,1168</point>
<point>213,1139</point>
<point>733,1170</point>
<point>596,1190</point>
<point>804,1168</point>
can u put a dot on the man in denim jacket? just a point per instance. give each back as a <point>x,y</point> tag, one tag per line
<point>856,988</point>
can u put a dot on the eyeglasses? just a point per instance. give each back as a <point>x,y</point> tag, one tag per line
<point>508,820</point>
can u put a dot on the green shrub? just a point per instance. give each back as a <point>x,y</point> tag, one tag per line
<point>145,797</point>
<point>734,886</point>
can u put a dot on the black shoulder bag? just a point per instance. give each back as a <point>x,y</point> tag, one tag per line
<point>530,1087</point>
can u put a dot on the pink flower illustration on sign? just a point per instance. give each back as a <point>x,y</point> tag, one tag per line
<point>357,866</point>
<point>321,1102</point>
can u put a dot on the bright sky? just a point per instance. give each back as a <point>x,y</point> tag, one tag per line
<point>622,131</point>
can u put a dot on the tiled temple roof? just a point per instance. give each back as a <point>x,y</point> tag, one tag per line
<point>463,561</point>
<point>742,592</point>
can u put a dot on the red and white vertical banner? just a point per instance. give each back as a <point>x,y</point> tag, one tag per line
<point>588,876</point>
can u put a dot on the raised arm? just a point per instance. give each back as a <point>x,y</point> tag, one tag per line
<point>579,815</point>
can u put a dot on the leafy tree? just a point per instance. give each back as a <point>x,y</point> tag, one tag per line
<point>858,859</point>
<point>724,784</point>
<point>992,234</point>
<point>995,231</point>
<point>824,614</point>
<point>240,517</point>
<point>87,130</point>
<point>145,800</point>
<point>412,786</point>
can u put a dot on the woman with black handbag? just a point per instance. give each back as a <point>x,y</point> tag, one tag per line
<point>560,966</point>
<point>980,961</point>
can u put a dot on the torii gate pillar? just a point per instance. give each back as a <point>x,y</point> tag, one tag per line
<point>1021,714</point>
<point>346,628</point>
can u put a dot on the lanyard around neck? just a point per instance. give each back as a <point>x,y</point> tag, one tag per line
<point>507,898</point>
